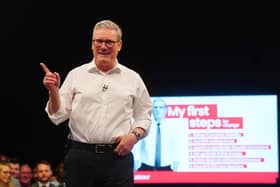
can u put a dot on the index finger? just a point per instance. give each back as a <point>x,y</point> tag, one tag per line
<point>44,67</point>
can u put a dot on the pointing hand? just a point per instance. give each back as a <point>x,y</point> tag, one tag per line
<point>51,80</point>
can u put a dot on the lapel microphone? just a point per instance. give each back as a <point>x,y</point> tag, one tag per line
<point>105,87</point>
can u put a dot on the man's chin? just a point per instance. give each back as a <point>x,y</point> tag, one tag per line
<point>103,60</point>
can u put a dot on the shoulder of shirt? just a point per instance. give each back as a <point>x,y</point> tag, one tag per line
<point>126,69</point>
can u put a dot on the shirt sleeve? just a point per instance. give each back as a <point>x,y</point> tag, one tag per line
<point>66,95</point>
<point>142,107</point>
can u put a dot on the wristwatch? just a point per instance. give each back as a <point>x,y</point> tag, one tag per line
<point>137,135</point>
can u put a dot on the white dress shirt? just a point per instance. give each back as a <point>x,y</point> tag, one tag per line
<point>102,106</point>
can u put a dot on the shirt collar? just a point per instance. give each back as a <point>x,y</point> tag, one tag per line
<point>47,184</point>
<point>93,68</point>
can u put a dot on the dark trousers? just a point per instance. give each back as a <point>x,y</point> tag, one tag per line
<point>86,168</point>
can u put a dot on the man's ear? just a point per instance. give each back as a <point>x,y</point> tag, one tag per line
<point>120,45</point>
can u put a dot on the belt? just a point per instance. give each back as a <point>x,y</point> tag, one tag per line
<point>96,148</point>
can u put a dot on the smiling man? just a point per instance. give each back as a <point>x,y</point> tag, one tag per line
<point>109,110</point>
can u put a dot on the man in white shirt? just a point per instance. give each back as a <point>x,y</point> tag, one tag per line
<point>161,149</point>
<point>109,110</point>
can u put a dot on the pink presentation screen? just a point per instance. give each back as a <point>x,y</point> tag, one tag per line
<point>212,139</point>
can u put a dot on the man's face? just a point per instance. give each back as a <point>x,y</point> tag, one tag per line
<point>15,169</point>
<point>43,172</point>
<point>25,174</point>
<point>60,170</point>
<point>105,46</point>
<point>159,110</point>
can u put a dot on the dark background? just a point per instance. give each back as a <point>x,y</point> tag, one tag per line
<point>178,49</point>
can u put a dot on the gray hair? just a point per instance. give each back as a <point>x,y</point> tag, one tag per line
<point>108,24</point>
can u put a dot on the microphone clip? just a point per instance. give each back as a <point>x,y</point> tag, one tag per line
<point>105,87</point>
